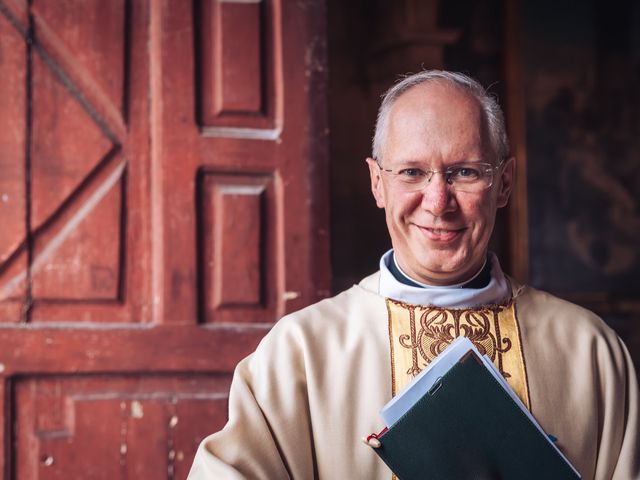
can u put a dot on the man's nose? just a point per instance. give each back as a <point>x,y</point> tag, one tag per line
<point>436,195</point>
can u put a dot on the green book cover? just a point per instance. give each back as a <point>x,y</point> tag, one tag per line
<point>468,427</point>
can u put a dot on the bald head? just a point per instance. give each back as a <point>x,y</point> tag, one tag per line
<point>492,117</point>
<point>444,118</point>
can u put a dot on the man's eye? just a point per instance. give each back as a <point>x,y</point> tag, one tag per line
<point>411,172</point>
<point>466,173</point>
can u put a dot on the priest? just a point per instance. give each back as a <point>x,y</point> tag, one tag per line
<point>440,169</point>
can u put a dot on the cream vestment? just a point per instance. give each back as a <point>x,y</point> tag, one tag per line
<point>300,404</point>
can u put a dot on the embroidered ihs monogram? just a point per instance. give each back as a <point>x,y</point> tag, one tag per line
<point>419,333</point>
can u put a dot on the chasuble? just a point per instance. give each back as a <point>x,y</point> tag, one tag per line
<point>300,404</point>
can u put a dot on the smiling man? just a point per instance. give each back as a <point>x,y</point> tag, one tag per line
<point>440,169</point>
<point>438,163</point>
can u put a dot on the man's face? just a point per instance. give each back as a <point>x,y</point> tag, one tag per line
<point>439,235</point>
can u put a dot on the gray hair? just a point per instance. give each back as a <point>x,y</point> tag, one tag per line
<point>490,107</point>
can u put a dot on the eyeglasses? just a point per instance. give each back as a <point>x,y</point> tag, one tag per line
<point>470,177</point>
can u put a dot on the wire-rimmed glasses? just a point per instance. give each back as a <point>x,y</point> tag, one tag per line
<point>470,177</point>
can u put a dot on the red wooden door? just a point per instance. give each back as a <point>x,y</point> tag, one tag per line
<point>162,203</point>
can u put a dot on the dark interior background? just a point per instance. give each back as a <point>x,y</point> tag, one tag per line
<point>567,74</point>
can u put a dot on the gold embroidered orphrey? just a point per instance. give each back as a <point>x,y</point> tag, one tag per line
<point>418,333</point>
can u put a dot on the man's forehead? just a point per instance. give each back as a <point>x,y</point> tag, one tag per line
<point>438,117</point>
<point>435,98</point>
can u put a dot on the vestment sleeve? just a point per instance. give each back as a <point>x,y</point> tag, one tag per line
<point>627,404</point>
<point>268,434</point>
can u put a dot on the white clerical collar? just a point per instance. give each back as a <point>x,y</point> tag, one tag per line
<point>424,285</point>
<point>450,296</point>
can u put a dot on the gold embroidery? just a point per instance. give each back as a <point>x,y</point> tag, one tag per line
<point>393,360</point>
<point>418,334</point>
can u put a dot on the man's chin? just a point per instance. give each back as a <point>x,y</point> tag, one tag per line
<point>438,272</point>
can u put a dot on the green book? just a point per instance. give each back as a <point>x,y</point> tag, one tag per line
<point>467,426</point>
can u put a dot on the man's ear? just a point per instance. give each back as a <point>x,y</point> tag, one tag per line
<point>507,178</point>
<point>376,182</point>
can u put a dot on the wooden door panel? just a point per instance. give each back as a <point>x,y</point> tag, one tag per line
<point>240,260</point>
<point>13,141</point>
<point>86,163</point>
<point>67,144</point>
<point>92,35</point>
<point>114,427</point>
<point>243,144</point>
<point>76,171</point>
<point>235,64</point>
<point>79,257</point>
<point>13,286</point>
<point>166,205</point>
<point>51,349</point>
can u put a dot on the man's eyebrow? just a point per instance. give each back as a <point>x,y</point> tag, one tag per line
<point>411,163</point>
<point>426,163</point>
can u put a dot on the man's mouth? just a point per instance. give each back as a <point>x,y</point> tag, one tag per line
<point>441,234</point>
